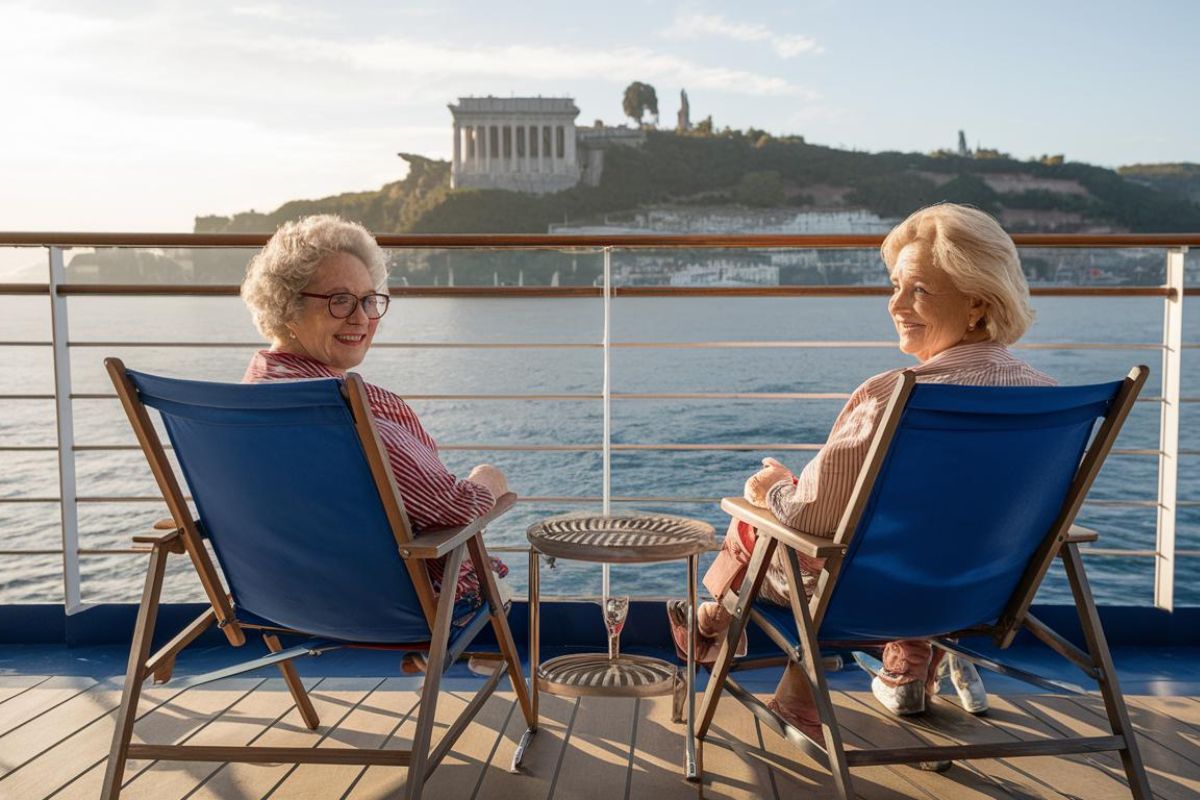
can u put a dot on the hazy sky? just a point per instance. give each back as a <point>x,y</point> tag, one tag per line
<point>139,116</point>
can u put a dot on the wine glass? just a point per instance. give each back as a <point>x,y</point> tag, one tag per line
<point>616,609</point>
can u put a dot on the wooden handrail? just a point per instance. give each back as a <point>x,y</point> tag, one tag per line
<point>560,241</point>
<point>231,290</point>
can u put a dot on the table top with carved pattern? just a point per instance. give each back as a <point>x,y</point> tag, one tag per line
<point>631,537</point>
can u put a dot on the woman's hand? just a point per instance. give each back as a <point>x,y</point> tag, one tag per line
<point>490,478</point>
<point>755,490</point>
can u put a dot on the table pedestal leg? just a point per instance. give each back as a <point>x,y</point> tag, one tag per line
<point>690,770</point>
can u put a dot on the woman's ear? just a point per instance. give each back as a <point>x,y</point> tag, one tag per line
<point>977,312</point>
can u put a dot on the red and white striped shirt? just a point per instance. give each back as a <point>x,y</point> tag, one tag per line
<point>815,500</point>
<point>433,496</point>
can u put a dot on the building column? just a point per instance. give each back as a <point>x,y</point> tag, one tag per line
<point>487,148</point>
<point>456,165</point>
<point>521,142</point>
<point>569,145</point>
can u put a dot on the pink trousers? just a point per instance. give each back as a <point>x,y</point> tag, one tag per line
<point>906,661</point>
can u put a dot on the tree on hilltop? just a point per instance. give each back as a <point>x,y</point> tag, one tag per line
<point>639,98</point>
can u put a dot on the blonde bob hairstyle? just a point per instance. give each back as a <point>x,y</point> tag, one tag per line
<point>979,258</point>
<point>281,270</point>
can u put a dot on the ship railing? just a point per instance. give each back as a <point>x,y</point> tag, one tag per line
<point>58,289</point>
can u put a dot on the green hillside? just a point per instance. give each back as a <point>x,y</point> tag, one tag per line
<point>754,169</point>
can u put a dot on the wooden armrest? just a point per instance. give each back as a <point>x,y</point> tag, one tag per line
<point>1077,534</point>
<point>767,523</point>
<point>437,542</point>
<point>173,539</point>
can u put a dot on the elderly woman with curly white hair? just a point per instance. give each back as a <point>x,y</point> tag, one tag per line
<point>959,299</point>
<point>317,292</point>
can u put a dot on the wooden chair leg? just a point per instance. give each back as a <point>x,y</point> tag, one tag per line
<point>294,685</point>
<point>760,560</point>
<point>439,642</point>
<point>139,650</point>
<point>1110,689</point>
<point>487,582</point>
<point>834,747</point>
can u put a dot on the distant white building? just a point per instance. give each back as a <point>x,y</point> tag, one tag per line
<point>725,272</point>
<point>523,144</point>
<point>528,144</point>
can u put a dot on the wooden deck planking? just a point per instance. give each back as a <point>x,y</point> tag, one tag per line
<point>1078,776</point>
<point>1068,720</point>
<point>376,781</point>
<point>945,723</point>
<point>878,728</point>
<point>596,762</point>
<point>370,725</point>
<point>27,706</point>
<point>167,716</point>
<point>1172,769</point>
<point>463,770</point>
<point>542,758</point>
<point>75,737</point>
<point>26,741</point>
<point>733,764</point>
<point>796,774</point>
<point>13,685</point>
<point>605,749</point>
<point>656,768</point>
<point>1184,709</point>
<point>333,700</point>
<point>248,718</point>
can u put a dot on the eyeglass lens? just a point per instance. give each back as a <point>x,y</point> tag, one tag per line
<point>342,305</point>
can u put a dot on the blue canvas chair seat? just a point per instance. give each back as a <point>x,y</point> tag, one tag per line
<point>967,495</point>
<point>295,496</point>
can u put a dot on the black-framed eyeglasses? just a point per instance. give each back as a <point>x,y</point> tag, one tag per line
<point>342,304</point>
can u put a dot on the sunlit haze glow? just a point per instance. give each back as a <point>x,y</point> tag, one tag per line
<point>139,116</point>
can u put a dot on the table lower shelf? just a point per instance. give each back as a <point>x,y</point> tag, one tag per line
<point>594,675</point>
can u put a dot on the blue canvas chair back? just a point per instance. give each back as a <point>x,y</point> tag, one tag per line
<point>285,495</point>
<point>972,483</point>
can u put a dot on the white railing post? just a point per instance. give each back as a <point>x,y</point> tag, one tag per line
<point>606,402</point>
<point>1168,442</point>
<point>72,598</point>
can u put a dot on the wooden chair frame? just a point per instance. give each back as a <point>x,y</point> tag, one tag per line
<point>181,534</point>
<point>1061,541</point>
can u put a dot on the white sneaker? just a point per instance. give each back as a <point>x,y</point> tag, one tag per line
<point>967,683</point>
<point>902,700</point>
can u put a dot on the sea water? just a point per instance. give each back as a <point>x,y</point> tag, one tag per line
<point>573,425</point>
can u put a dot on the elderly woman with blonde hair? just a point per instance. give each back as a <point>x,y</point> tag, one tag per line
<point>959,299</point>
<point>317,292</point>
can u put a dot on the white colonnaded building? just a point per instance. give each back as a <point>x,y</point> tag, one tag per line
<point>528,144</point>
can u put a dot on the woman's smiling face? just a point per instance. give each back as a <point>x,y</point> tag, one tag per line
<point>340,344</point>
<point>929,312</point>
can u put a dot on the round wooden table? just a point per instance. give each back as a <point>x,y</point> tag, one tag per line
<point>625,538</point>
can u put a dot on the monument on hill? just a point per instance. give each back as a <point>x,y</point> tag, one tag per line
<point>523,144</point>
<point>529,144</point>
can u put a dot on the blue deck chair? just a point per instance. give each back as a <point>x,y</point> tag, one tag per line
<point>967,493</point>
<point>296,498</point>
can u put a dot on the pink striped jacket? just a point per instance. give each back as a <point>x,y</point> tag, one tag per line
<point>815,500</point>
<point>433,496</point>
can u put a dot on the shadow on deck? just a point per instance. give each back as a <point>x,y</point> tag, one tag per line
<point>55,731</point>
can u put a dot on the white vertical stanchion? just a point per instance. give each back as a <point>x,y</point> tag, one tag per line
<point>606,401</point>
<point>72,599</point>
<point>1168,442</point>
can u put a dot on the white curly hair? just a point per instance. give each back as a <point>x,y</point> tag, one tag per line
<point>280,271</point>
